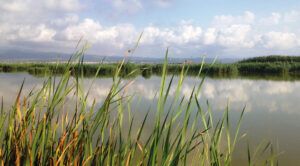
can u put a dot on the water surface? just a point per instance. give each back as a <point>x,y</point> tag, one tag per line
<point>272,107</point>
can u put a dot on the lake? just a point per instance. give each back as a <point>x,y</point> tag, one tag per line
<point>272,107</point>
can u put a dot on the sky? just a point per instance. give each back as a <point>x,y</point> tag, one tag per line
<point>189,28</point>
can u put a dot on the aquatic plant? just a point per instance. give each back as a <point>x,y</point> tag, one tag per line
<point>40,129</point>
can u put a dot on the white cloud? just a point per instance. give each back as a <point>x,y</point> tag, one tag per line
<point>273,19</point>
<point>182,34</point>
<point>60,24</point>
<point>87,29</point>
<point>29,5</point>
<point>123,36</point>
<point>190,33</point>
<point>233,32</point>
<point>39,33</point>
<point>275,32</point>
<point>210,36</point>
<point>280,40</point>
<point>128,6</point>
<point>114,37</point>
<point>236,36</point>
<point>13,6</point>
<point>227,20</point>
<point>66,21</point>
<point>66,5</point>
<point>292,16</point>
<point>42,33</point>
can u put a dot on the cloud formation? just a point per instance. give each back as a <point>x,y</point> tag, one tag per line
<point>60,24</point>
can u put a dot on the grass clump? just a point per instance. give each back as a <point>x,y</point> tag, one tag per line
<point>39,130</point>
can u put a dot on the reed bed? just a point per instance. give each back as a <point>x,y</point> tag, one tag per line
<point>279,66</point>
<point>36,130</point>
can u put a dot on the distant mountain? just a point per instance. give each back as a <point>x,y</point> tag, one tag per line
<point>30,56</point>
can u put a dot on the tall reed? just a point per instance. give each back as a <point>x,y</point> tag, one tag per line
<point>39,130</point>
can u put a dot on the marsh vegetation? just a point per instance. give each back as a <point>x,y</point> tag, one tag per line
<point>39,130</point>
<point>283,67</point>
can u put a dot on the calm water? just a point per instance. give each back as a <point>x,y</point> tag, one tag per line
<point>272,107</point>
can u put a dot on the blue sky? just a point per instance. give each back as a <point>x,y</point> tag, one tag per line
<point>190,28</point>
<point>199,10</point>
